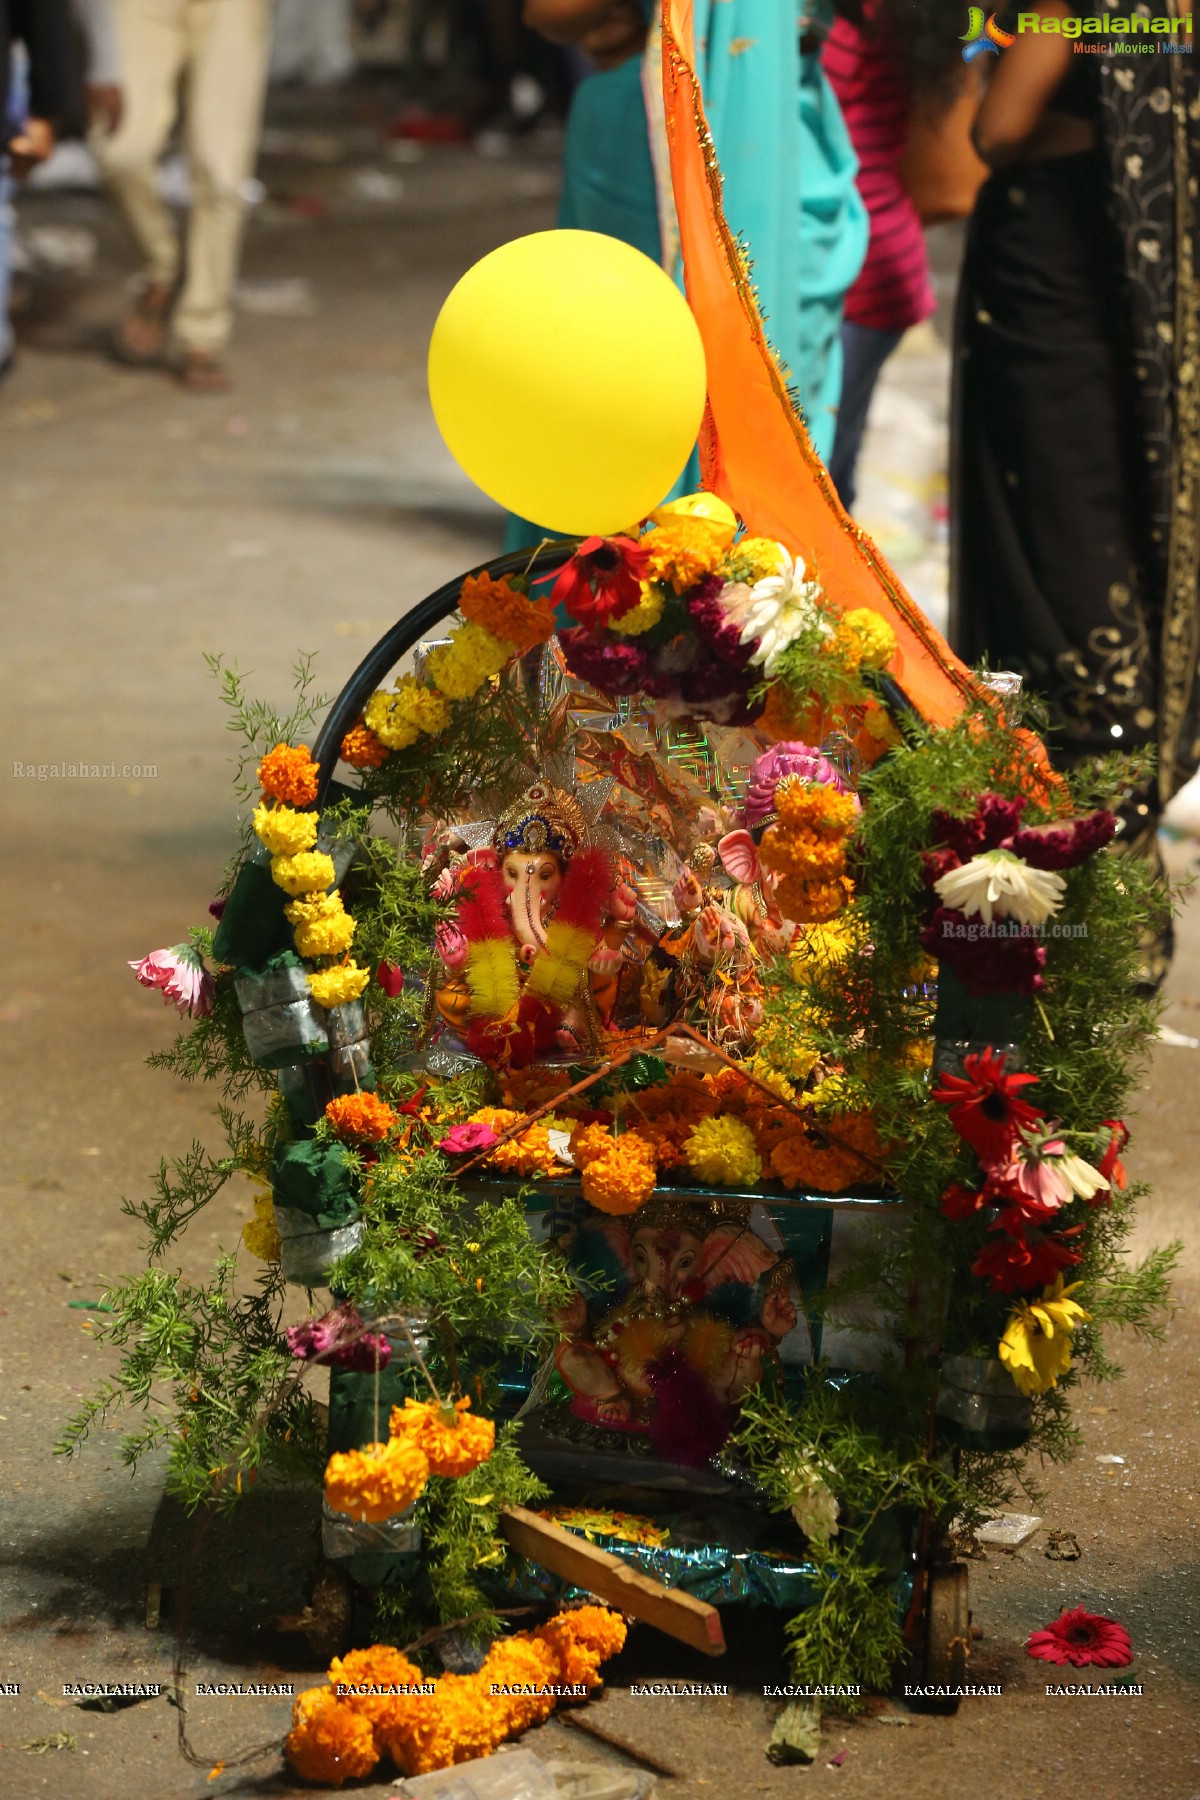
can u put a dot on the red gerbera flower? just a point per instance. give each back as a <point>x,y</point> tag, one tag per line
<point>1080,1638</point>
<point>1022,1258</point>
<point>1110,1164</point>
<point>602,581</point>
<point>961,1202</point>
<point>986,1108</point>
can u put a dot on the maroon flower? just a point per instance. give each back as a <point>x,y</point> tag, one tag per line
<point>993,820</point>
<point>1022,1258</point>
<point>714,625</point>
<point>602,581</point>
<point>1064,844</point>
<point>613,667</point>
<point>217,907</point>
<point>1081,1638</point>
<point>995,961</point>
<point>936,863</point>
<point>339,1338</point>
<point>986,1107</point>
<point>390,978</point>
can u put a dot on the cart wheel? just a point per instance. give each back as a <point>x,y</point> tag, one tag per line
<point>947,1634</point>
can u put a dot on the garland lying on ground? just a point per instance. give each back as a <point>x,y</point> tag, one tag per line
<point>964,848</point>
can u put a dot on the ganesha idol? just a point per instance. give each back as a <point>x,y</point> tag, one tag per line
<point>679,1311</point>
<point>532,964</point>
<point>752,900</point>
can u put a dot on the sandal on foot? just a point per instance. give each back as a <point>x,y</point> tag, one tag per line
<point>201,373</point>
<point>141,336</point>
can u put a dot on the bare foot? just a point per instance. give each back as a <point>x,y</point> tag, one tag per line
<point>142,334</point>
<point>201,373</point>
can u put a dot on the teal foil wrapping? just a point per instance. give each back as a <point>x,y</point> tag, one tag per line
<point>710,1572</point>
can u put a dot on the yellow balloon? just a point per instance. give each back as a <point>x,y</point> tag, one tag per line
<point>566,375</point>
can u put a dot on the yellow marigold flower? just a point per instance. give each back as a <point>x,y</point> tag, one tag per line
<point>816,805</point>
<point>360,1118</point>
<point>308,872</point>
<point>461,667</point>
<point>321,925</point>
<point>289,775</point>
<point>642,617</point>
<point>362,749</point>
<point>753,559</point>
<point>1036,1347</point>
<point>338,986</point>
<point>283,830</point>
<point>399,718</point>
<point>876,638</point>
<point>811,902</point>
<point>260,1234</point>
<point>682,552</point>
<point>329,1742</point>
<point>451,1443</point>
<point>771,1077</point>
<point>377,1482</point>
<point>722,1151</point>
<point>623,1177</point>
<point>514,618</point>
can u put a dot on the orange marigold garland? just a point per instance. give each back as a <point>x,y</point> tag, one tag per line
<point>377,1482</point>
<point>622,1177</point>
<point>451,1443</point>
<point>329,1742</point>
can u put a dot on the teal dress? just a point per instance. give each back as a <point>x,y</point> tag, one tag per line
<point>789,188</point>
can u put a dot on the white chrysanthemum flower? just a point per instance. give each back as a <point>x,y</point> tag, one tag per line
<point>998,884</point>
<point>1079,1175</point>
<point>814,1503</point>
<point>778,609</point>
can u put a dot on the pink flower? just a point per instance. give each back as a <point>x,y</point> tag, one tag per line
<point>339,1338</point>
<point>460,1140</point>
<point>1081,1638</point>
<point>181,978</point>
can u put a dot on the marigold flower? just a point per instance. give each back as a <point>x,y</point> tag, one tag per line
<point>380,1666</point>
<point>361,1118</point>
<point>261,1234</point>
<point>283,830</point>
<point>642,617</point>
<point>308,872</point>
<point>516,619</point>
<point>377,1482</point>
<point>723,1151</point>
<point>461,667</point>
<point>362,749</point>
<point>812,902</point>
<point>329,1743</point>
<point>451,1443</point>
<point>622,1178</point>
<point>753,559</point>
<point>399,718</point>
<point>588,1142</point>
<point>529,1153</point>
<point>681,551</point>
<point>874,638</point>
<point>338,986</point>
<point>289,775</point>
<point>321,925</point>
<point>800,1161</point>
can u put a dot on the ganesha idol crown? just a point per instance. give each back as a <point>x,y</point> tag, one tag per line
<point>544,817</point>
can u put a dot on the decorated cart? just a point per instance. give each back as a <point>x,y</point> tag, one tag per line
<point>678,1024</point>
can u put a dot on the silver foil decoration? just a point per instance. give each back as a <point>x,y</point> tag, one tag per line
<point>309,1250</point>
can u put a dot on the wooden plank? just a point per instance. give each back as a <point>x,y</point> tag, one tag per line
<point>677,1614</point>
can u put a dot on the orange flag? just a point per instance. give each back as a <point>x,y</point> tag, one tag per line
<point>754,449</point>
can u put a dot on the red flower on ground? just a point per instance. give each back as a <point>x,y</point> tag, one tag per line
<point>1081,1638</point>
<point>986,1108</point>
<point>1022,1258</point>
<point>602,581</point>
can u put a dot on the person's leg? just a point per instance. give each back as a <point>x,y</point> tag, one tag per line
<point>229,45</point>
<point>151,46</point>
<point>865,349</point>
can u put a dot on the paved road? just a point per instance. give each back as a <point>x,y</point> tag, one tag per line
<point>143,528</point>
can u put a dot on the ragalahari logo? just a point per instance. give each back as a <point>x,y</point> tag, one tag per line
<point>983,37</point>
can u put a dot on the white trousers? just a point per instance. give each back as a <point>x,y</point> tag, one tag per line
<point>210,57</point>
